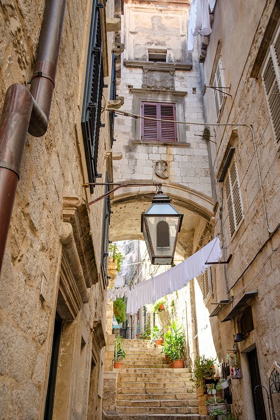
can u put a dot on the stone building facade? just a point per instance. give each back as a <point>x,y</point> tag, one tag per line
<point>226,183</point>
<point>242,58</point>
<point>54,274</point>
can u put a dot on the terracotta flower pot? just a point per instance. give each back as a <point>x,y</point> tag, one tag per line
<point>171,365</point>
<point>158,342</point>
<point>118,365</point>
<point>161,307</point>
<point>178,364</point>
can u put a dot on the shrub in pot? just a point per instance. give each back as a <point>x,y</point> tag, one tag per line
<point>157,335</point>
<point>119,353</point>
<point>203,368</point>
<point>174,344</point>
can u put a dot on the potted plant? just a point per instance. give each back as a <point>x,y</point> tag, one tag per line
<point>211,390</point>
<point>159,306</point>
<point>175,345</point>
<point>146,334</point>
<point>203,368</point>
<point>223,384</point>
<point>115,256</point>
<point>157,335</point>
<point>119,353</point>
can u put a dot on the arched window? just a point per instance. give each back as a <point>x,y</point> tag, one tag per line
<point>163,235</point>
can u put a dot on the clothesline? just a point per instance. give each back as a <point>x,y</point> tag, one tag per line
<point>176,278</point>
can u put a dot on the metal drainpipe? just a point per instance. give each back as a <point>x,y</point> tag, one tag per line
<point>26,110</point>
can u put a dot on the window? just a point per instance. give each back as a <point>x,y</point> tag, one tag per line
<point>233,197</point>
<point>164,130</point>
<point>271,81</point>
<point>157,57</point>
<point>218,83</point>
<point>105,236</point>
<point>91,115</point>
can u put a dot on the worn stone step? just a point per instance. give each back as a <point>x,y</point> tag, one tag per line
<point>177,396</point>
<point>157,410</point>
<point>152,371</point>
<point>173,382</point>
<point>153,390</point>
<point>151,365</point>
<point>158,403</point>
<point>113,416</point>
<point>153,378</point>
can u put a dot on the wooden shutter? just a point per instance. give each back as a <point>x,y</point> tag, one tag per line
<point>149,127</point>
<point>271,76</point>
<point>167,129</point>
<point>91,113</point>
<point>159,130</point>
<point>233,196</point>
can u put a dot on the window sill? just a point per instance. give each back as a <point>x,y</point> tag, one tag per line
<point>160,143</point>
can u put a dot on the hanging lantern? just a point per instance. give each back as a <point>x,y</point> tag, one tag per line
<point>160,226</point>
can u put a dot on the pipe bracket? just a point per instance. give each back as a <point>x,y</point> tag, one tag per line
<point>11,167</point>
<point>41,74</point>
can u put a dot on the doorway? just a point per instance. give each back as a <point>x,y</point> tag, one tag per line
<point>53,369</point>
<point>255,381</point>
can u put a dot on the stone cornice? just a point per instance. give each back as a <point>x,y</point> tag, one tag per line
<point>159,91</point>
<point>166,67</point>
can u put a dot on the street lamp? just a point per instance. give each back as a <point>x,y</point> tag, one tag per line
<point>160,226</point>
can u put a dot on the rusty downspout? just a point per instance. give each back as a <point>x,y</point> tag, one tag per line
<point>27,111</point>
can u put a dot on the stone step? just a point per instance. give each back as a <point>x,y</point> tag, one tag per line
<point>157,410</point>
<point>129,381</point>
<point>170,373</point>
<point>148,397</point>
<point>151,365</point>
<point>145,356</point>
<point>114,416</point>
<point>148,389</point>
<point>153,371</point>
<point>158,403</point>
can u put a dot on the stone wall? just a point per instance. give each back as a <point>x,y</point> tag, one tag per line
<point>255,250</point>
<point>53,169</point>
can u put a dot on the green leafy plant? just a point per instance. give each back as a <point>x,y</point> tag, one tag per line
<point>119,353</point>
<point>174,342</point>
<point>230,417</point>
<point>217,412</point>
<point>119,308</point>
<point>157,305</point>
<point>116,255</point>
<point>203,368</point>
<point>157,333</point>
<point>146,334</point>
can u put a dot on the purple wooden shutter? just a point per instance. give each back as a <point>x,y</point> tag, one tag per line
<point>149,127</point>
<point>167,128</point>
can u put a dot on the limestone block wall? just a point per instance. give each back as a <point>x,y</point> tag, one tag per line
<point>53,168</point>
<point>145,28</point>
<point>246,272</point>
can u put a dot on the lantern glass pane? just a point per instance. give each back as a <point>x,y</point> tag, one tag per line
<point>162,232</point>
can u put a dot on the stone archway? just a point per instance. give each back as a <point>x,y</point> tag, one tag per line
<point>128,204</point>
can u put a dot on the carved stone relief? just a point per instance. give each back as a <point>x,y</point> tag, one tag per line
<point>156,79</point>
<point>161,169</point>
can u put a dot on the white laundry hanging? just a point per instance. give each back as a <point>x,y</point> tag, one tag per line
<point>199,21</point>
<point>175,278</point>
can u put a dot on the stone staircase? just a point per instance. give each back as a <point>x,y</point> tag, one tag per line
<point>147,388</point>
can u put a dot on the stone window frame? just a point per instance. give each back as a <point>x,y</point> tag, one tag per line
<point>143,95</point>
<point>233,198</point>
<point>161,130</point>
<point>270,75</point>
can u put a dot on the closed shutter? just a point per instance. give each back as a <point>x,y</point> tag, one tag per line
<point>91,114</point>
<point>271,80</point>
<point>162,128</point>
<point>168,129</point>
<point>150,127</point>
<point>233,197</point>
